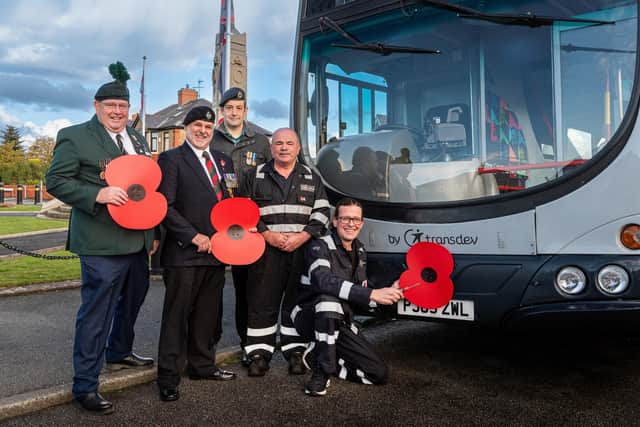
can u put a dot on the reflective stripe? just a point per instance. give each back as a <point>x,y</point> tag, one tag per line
<point>255,347</point>
<point>289,331</point>
<point>262,332</point>
<point>301,345</point>
<point>259,173</point>
<point>309,177</point>
<point>305,280</point>
<point>295,312</point>
<point>345,288</point>
<point>324,337</point>
<point>329,241</point>
<point>362,377</point>
<point>372,304</point>
<point>343,371</point>
<point>330,306</point>
<point>317,263</point>
<point>321,203</point>
<point>284,209</point>
<point>354,328</point>
<point>286,228</point>
<point>319,217</point>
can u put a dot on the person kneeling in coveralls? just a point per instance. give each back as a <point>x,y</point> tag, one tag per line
<point>334,278</point>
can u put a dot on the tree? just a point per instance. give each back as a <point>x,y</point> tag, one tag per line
<point>11,135</point>
<point>42,149</point>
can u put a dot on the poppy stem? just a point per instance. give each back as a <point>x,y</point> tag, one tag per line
<point>415,285</point>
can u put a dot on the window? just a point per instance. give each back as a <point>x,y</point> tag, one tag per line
<point>502,108</point>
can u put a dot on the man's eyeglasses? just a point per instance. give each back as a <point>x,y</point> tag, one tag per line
<point>344,220</point>
<point>115,106</point>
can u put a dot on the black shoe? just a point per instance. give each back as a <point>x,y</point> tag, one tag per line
<point>258,366</point>
<point>244,359</point>
<point>309,357</point>
<point>131,361</point>
<point>169,394</point>
<point>295,364</point>
<point>218,375</point>
<point>318,384</point>
<point>95,403</point>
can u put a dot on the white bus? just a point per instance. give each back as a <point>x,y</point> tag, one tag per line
<point>503,130</point>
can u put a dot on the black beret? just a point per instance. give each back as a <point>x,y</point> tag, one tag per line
<point>112,90</point>
<point>199,113</point>
<point>231,94</point>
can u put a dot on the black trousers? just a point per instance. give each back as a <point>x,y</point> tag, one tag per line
<point>338,347</point>
<point>273,281</point>
<point>240,277</point>
<point>189,322</point>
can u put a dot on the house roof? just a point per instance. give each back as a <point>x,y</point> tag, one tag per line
<point>172,117</point>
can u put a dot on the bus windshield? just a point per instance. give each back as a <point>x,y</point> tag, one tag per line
<point>458,107</point>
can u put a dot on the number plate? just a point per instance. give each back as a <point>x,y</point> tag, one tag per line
<point>454,309</point>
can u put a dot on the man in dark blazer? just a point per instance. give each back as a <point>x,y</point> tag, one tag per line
<point>193,181</point>
<point>113,260</point>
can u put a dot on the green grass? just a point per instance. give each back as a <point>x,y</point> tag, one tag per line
<point>20,208</point>
<point>27,270</point>
<point>21,224</point>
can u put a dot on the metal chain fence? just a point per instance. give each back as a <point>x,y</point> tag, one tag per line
<point>35,254</point>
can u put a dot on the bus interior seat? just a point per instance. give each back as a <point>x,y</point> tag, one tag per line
<point>448,127</point>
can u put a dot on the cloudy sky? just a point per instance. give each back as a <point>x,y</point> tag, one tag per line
<point>54,54</point>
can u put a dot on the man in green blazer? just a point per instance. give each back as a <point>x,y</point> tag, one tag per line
<point>113,260</point>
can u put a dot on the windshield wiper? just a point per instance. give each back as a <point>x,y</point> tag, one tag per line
<point>573,48</point>
<point>528,19</point>
<point>377,47</point>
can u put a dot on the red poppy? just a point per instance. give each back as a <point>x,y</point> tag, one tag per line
<point>140,177</point>
<point>233,244</point>
<point>427,282</point>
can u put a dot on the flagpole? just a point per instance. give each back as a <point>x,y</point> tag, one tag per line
<point>227,48</point>
<point>142,100</point>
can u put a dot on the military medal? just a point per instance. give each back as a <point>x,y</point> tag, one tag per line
<point>102,163</point>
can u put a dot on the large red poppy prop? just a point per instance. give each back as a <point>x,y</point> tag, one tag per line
<point>233,244</point>
<point>427,282</point>
<point>140,177</point>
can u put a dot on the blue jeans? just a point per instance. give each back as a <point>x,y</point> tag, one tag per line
<point>113,289</point>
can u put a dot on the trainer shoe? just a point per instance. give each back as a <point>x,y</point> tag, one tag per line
<point>295,364</point>
<point>309,357</point>
<point>318,384</point>
<point>258,367</point>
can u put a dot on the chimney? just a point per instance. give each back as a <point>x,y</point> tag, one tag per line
<point>187,95</point>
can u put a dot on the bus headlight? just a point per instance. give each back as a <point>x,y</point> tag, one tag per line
<point>613,280</point>
<point>571,280</point>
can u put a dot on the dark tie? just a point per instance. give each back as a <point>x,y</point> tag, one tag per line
<point>120,144</point>
<point>217,188</point>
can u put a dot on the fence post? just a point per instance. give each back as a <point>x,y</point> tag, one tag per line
<point>19,194</point>
<point>1,192</point>
<point>36,195</point>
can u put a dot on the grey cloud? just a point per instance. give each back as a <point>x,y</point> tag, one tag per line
<point>43,93</point>
<point>269,109</point>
